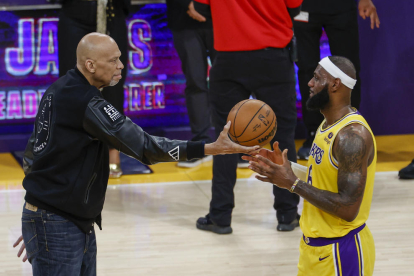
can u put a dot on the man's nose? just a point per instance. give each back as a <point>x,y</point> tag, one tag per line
<point>120,65</point>
<point>311,83</point>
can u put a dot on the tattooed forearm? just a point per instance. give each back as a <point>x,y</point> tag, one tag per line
<point>351,151</point>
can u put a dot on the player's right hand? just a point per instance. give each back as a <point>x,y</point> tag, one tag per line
<point>275,156</point>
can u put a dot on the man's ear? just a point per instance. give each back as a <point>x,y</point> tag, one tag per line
<point>336,84</point>
<point>90,66</point>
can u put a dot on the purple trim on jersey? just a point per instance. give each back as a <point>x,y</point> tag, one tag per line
<point>346,116</point>
<point>331,161</point>
<point>326,241</point>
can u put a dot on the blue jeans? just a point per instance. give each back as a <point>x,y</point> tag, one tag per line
<point>56,246</point>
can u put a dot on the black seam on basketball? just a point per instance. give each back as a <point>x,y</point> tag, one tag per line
<point>234,121</point>
<point>274,115</point>
<point>251,120</point>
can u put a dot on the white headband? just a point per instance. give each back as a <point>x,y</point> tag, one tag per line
<point>332,69</point>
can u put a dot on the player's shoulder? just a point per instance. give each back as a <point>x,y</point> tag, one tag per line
<point>353,138</point>
<point>353,131</point>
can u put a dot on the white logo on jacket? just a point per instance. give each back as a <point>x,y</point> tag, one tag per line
<point>112,113</point>
<point>175,153</point>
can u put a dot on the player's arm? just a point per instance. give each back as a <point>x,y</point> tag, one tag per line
<point>122,134</point>
<point>353,149</point>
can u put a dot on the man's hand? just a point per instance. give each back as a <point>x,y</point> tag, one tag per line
<point>275,156</point>
<point>367,9</point>
<point>224,145</point>
<point>22,248</point>
<point>194,14</point>
<point>280,175</point>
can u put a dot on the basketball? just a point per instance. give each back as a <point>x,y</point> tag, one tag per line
<point>253,123</point>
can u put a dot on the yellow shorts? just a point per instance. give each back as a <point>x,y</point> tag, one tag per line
<point>351,255</point>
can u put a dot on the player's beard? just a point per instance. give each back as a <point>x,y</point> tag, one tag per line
<point>318,101</point>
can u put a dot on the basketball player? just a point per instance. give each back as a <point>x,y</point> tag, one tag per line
<point>67,161</point>
<point>340,178</point>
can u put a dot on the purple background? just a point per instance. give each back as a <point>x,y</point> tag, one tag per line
<point>387,69</point>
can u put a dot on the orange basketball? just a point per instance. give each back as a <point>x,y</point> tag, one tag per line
<point>253,122</point>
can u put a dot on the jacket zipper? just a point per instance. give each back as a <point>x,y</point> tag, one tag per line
<point>89,187</point>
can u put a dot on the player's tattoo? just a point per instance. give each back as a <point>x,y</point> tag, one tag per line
<point>351,152</point>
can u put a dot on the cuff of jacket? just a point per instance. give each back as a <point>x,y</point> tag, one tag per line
<point>195,149</point>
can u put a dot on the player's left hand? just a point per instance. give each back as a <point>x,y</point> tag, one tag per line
<point>275,156</point>
<point>22,248</point>
<point>224,145</point>
<point>367,9</point>
<point>280,175</point>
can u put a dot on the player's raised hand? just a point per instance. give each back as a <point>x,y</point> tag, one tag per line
<point>22,248</point>
<point>367,9</point>
<point>275,156</point>
<point>224,145</point>
<point>280,175</point>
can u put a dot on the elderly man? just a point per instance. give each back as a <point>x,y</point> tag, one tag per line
<point>66,160</point>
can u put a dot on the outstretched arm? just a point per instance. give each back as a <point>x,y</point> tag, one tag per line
<point>103,122</point>
<point>353,148</point>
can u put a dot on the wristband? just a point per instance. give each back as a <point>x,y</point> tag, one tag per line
<point>294,185</point>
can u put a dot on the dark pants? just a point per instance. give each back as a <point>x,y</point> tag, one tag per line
<point>342,32</point>
<point>77,19</point>
<point>193,46</point>
<point>268,75</point>
<point>56,246</point>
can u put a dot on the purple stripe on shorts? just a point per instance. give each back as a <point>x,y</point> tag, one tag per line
<point>348,253</point>
<point>326,241</point>
<point>336,258</point>
<point>360,255</point>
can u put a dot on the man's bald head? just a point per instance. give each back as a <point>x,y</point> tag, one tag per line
<point>97,57</point>
<point>93,46</point>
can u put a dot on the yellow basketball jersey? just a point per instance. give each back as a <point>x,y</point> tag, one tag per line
<point>323,174</point>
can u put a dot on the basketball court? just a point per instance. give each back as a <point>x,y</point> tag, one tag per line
<point>149,222</point>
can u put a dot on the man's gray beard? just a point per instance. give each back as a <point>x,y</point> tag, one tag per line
<point>113,82</point>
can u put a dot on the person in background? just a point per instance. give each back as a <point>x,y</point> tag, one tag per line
<point>193,41</point>
<point>407,172</point>
<point>253,57</point>
<point>339,20</point>
<point>80,17</point>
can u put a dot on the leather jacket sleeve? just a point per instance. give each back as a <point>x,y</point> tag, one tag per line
<point>103,122</point>
<point>28,154</point>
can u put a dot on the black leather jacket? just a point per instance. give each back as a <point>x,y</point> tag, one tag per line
<point>66,161</point>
